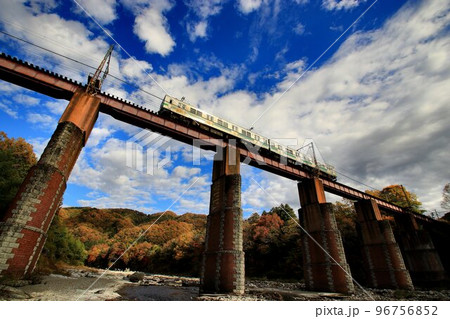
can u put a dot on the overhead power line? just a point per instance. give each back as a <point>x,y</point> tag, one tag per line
<point>79,62</point>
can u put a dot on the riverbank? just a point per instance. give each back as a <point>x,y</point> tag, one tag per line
<point>98,285</point>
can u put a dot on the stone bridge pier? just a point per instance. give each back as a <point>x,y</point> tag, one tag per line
<point>23,229</point>
<point>324,262</point>
<point>383,260</point>
<point>223,259</point>
<point>421,256</point>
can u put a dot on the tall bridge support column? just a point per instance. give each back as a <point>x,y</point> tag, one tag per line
<point>382,257</point>
<point>421,258</point>
<point>23,229</point>
<point>324,270</point>
<point>223,260</point>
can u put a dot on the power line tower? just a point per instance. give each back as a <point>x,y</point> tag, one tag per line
<point>95,81</point>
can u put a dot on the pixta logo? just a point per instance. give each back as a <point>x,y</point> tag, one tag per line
<point>147,152</point>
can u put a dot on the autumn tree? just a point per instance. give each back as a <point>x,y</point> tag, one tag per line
<point>345,214</point>
<point>284,211</point>
<point>398,195</point>
<point>272,244</point>
<point>16,158</point>
<point>445,204</point>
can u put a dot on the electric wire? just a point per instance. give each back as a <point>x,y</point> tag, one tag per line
<point>118,44</point>
<point>312,64</point>
<point>355,180</point>
<point>64,64</point>
<point>79,62</point>
<point>34,35</point>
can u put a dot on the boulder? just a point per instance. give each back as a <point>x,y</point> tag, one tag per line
<point>136,277</point>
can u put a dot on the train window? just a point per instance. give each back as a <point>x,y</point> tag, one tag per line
<point>222,123</point>
<point>234,127</point>
<point>209,117</point>
<point>199,113</point>
<point>257,137</point>
<point>192,110</point>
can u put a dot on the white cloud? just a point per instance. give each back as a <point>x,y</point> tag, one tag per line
<point>341,4</point>
<point>203,10</point>
<point>8,88</point>
<point>26,100</point>
<point>104,11</point>
<point>266,191</point>
<point>151,27</point>
<point>41,120</point>
<point>39,144</point>
<point>56,34</point>
<point>301,2</point>
<point>42,5</point>
<point>299,29</point>
<point>8,110</point>
<point>197,31</point>
<point>104,170</point>
<point>98,135</point>
<point>57,107</point>
<point>247,6</point>
<point>133,68</point>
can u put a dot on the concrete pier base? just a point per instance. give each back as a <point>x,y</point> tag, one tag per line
<point>324,262</point>
<point>223,260</point>
<point>383,260</point>
<point>23,229</point>
<point>421,258</point>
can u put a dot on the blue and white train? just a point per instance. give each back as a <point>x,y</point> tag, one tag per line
<point>187,111</point>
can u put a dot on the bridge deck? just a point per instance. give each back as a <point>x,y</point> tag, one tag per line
<point>54,85</point>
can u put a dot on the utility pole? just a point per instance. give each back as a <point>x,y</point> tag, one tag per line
<point>406,197</point>
<point>95,82</point>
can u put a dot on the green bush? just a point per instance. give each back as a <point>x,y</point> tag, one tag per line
<point>62,246</point>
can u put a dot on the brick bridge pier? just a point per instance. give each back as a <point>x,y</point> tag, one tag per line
<point>223,260</point>
<point>23,228</point>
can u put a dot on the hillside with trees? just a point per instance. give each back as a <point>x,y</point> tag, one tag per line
<point>168,243</point>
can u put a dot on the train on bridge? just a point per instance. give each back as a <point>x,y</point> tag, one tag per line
<point>179,109</point>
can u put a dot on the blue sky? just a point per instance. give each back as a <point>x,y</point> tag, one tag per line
<point>376,103</point>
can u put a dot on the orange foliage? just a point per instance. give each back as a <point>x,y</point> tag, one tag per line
<point>163,232</point>
<point>97,251</point>
<point>267,225</point>
<point>19,148</point>
<point>88,234</point>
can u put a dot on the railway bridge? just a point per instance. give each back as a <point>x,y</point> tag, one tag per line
<point>415,255</point>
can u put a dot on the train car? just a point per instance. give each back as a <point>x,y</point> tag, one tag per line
<point>185,110</point>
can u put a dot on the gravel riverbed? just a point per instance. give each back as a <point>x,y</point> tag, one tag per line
<point>98,285</point>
